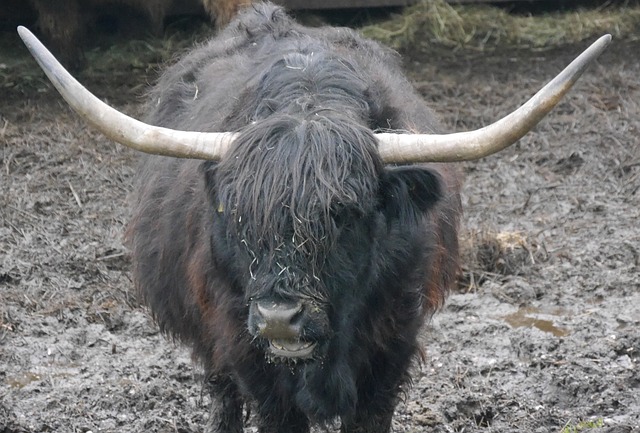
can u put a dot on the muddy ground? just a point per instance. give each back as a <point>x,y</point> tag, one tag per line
<point>543,332</point>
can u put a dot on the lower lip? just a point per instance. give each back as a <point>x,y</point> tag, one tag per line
<point>303,352</point>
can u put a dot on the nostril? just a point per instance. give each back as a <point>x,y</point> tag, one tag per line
<point>281,311</point>
<point>279,319</point>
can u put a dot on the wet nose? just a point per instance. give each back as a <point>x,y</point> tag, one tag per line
<point>279,319</point>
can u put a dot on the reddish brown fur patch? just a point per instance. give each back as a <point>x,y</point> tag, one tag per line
<point>223,11</point>
<point>445,268</point>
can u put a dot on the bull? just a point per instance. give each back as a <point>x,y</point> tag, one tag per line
<point>296,223</point>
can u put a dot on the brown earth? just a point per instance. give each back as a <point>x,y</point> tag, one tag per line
<point>542,334</point>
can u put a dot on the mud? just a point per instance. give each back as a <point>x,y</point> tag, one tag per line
<point>542,333</point>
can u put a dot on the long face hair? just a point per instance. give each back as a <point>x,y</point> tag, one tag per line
<point>303,167</point>
<point>289,184</point>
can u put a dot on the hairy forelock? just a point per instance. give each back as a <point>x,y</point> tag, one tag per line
<point>306,154</point>
<point>286,178</point>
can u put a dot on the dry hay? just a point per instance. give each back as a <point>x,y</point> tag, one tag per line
<point>483,27</point>
<point>113,60</point>
<point>493,255</point>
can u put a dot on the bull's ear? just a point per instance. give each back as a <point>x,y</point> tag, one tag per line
<point>405,188</point>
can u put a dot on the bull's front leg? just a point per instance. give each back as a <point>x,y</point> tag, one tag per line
<point>282,420</point>
<point>225,415</point>
<point>369,420</point>
<point>378,390</point>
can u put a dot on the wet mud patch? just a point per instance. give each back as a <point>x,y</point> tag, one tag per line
<point>542,333</point>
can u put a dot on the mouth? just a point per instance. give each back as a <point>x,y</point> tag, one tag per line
<point>291,348</point>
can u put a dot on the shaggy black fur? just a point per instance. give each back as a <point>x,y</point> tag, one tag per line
<point>301,209</point>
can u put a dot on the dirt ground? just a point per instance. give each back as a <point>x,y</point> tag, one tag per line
<point>542,334</point>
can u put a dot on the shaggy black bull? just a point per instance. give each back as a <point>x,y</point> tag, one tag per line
<point>297,248</point>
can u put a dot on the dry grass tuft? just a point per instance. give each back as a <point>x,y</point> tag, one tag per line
<point>483,27</point>
<point>112,60</point>
<point>490,255</point>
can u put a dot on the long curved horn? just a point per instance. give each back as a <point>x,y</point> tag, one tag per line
<point>465,146</point>
<point>118,126</point>
<point>393,148</point>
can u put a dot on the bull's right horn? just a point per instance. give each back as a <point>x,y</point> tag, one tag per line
<point>118,126</point>
<point>465,146</point>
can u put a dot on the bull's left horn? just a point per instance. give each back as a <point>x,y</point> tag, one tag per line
<point>465,146</point>
<point>118,126</point>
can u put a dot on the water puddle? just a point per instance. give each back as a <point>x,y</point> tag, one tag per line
<point>532,317</point>
<point>21,380</point>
